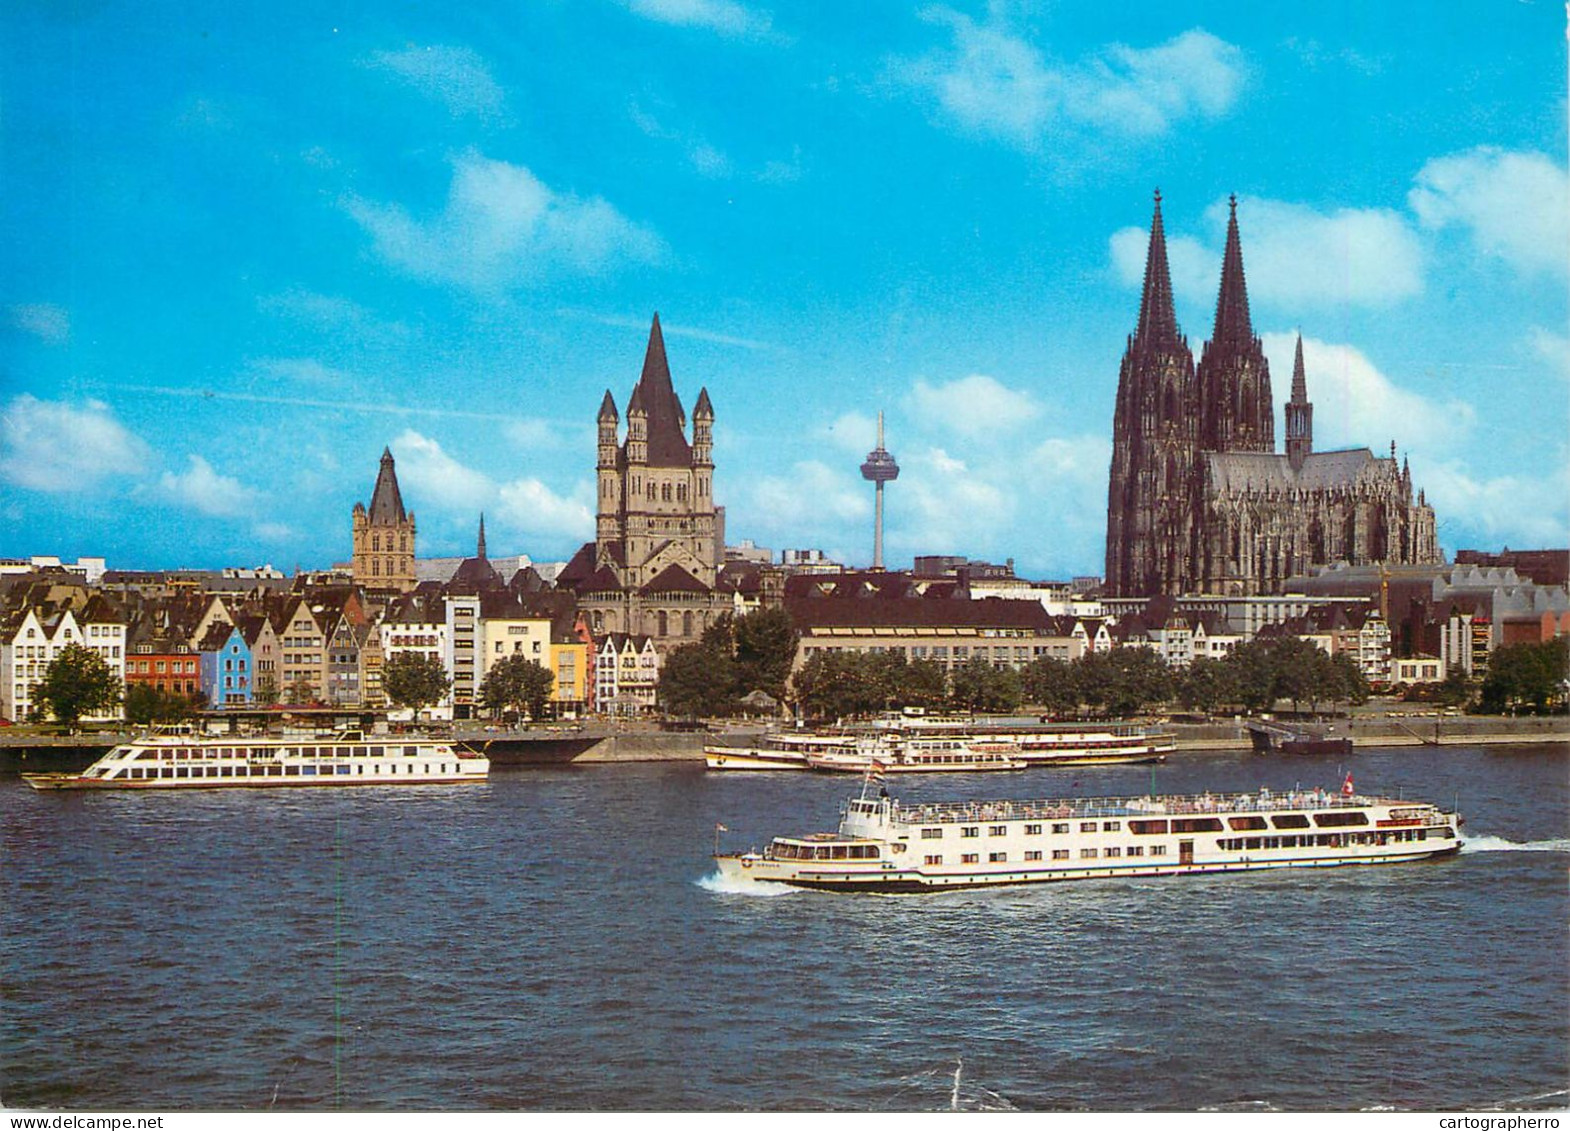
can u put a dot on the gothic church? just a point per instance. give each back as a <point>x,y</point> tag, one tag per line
<point>1199,500</point>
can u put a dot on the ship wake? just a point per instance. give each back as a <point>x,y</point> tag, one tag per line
<point>1500,844</point>
<point>719,884</point>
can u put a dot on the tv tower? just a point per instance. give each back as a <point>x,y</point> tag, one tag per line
<point>880,468</point>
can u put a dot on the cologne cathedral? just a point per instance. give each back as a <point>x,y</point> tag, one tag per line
<point>1199,499</point>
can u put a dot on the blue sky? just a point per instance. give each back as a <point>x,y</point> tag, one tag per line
<point>249,245</point>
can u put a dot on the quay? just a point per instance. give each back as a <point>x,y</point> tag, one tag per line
<point>603,744</point>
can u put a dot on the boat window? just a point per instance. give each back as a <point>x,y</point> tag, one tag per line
<point>1032,830</point>
<point>1337,820</point>
<point>970,830</point>
<point>1087,826</point>
<point>931,834</point>
<point>1060,827</point>
<point>997,857</point>
<point>1239,824</point>
<point>970,858</point>
<point>1087,853</point>
<point>1060,854</point>
<point>1147,827</point>
<point>1111,826</point>
<point>1158,850</point>
<point>1196,824</point>
<point>997,830</point>
<point>1290,821</point>
<point>1033,855</point>
<point>840,852</point>
<point>1135,850</point>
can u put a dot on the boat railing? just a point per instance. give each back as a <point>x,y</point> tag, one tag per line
<point>1133,807</point>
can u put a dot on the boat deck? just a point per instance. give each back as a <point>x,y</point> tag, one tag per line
<point>933,813</point>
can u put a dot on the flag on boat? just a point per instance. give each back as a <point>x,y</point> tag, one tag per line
<point>1346,786</point>
<point>875,770</point>
<point>719,828</point>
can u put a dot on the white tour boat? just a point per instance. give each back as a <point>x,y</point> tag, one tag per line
<point>884,846</point>
<point>1038,744</point>
<point>903,758</point>
<point>789,750</point>
<point>187,761</point>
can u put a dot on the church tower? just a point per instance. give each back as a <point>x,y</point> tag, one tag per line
<point>1237,409</point>
<point>384,535</point>
<point>1150,519</point>
<point>1300,414</point>
<point>656,503</point>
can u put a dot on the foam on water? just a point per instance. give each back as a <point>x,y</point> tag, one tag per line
<point>718,883</point>
<point>1500,844</point>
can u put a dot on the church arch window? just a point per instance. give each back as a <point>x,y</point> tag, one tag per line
<point>663,621</point>
<point>376,567</point>
<point>686,624</point>
<point>681,492</point>
<point>652,494</point>
<point>665,492</point>
<point>1170,412</point>
<point>376,542</point>
<point>1250,406</point>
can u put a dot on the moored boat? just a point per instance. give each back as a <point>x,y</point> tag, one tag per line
<point>1278,738</point>
<point>970,758</point>
<point>882,845</point>
<point>787,750</point>
<point>187,761</point>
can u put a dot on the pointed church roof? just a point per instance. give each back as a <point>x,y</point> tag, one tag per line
<point>1233,329</point>
<point>1299,379</point>
<point>386,502</point>
<point>655,396</point>
<point>703,407</point>
<point>479,543</point>
<point>608,407</point>
<point>1157,320</point>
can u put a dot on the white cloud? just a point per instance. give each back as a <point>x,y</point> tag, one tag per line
<point>303,370</point>
<point>61,448</point>
<point>993,81</point>
<point>1293,256</point>
<point>1513,510</point>
<point>502,225</point>
<point>852,432</point>
<point>455,76</point>
<point>273,532</point>
<point>1355,405</point>
<point>426,472</point>
<point>1514,205</point>
<point>811,501</point>
<point>1552,348</point>
<point>947,507</point>
<point>43,320</point>
<point>703,157</point>
<point>972,406</point>
<point>530,506</point>
<point>724,16</point>
<point>205,491</point>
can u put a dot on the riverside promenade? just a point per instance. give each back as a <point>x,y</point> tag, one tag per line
<point>598,744</point>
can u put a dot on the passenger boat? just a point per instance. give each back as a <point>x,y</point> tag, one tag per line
<point>1277,738</point>
<point>884,846</point>
<point>789,750</point>
<point>1050,744</point>
<point>971,758</point>
<point>186,761</point>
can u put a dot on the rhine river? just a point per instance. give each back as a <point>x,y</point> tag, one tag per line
<point>552,940</point>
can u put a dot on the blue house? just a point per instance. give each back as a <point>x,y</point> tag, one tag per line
<point>226,667</point>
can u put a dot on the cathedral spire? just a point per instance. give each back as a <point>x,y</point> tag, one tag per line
<point>1233,327</point>
<point>479,545</point>
<point>1299,378</point>
<point>656,397</point>
<point>1157,321</point>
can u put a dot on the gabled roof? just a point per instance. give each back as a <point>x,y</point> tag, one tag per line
<point>674,579</point>
<point>579,568</point>
<point>1270,471</point>
<point>603,580</point>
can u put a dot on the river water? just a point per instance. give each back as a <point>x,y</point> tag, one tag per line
<point>554,939</point>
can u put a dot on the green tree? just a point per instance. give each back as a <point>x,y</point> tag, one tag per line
<point>146,704</point>
<point>922,683</point>
<point>698,679</point>
<point>302,692</point>
<point>1351,683</point>
<point>1208,685</point>
<point>765,649</point>
<point>414,680</point>
<point>1052,684</point>
<point>77,682</point>
<point>978,686</point>
<point>1532,676</point>
<point>266,690</point>
<point>1125,681</point>
<point>1253,674</point>
<point>842,685</point>
<point>518,683</point>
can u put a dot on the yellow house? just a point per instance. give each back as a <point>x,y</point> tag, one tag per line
<point>543,628</point>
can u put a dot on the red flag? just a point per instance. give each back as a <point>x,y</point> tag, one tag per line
<point>1346,786</point>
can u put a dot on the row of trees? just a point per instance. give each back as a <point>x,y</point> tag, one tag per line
<point>1124,681</point>
<point>736,657</point>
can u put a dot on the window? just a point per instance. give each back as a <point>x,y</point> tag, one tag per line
<point>1032,830</point>
<point>1114,852</point>
<point>997,857</point>
<point>1136,850</point>
<point>1158,850</point>
<point>1060,854</point>
<point>997,830</point>
<point>931,834</point>
<point>1060,827</point>
<point>935,860</point>
<point>1087,826</point>
<point>1111,826</point>
<point>970,858</point>
<point>1087,853</point>
<point>969,830</point>
<point>1030,856</point>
